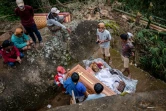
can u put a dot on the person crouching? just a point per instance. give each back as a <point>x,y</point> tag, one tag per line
<point>21,40</point>
<point>10,53</point>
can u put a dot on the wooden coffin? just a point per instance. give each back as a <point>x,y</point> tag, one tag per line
<point>89,80</point>
<point>41,19</point>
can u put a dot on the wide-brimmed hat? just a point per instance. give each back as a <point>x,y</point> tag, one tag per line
<point>7,43</point>
<point>55,10</point>
<point>20,3</point>
<point>18,31</point>
<point>61,70</point>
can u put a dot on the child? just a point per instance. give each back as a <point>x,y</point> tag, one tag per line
<point>127,51</point>
<point>59,78</point>
<point>78,88</point>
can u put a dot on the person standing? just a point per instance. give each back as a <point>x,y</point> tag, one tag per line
<point>127,51</point>
<point>103,39</point>
<point>26,14</point>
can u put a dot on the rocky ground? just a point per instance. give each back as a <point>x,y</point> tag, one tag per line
<point>29,86</point>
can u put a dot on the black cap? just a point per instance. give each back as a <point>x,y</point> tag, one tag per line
<point>7,43</point>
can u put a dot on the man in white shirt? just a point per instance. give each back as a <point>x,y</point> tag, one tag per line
<point>103,39</point>
<point>54,21</point>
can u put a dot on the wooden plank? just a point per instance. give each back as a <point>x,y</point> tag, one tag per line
<point>89,80</point>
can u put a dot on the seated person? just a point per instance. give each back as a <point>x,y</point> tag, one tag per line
<point>98,89</point>
<point>78,88</point>
<point>10,53</point>
<point>54,21</point>
<point>111,80</point>
<point>21,40</point>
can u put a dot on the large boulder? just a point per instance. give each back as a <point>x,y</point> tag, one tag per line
<point>28,86</point>
<point>146,101</point>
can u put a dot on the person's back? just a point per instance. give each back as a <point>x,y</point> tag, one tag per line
<point>78,88</point>
<point>98,89</point>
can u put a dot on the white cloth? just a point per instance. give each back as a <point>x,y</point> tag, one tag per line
<point>61,79</point>
<point>104,36</point>
<point>112,81</point>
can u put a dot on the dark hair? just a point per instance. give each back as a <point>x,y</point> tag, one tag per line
<point>75,77</point>
<point>124,36</point>
<point>98,88</point>
<point>7,43</point>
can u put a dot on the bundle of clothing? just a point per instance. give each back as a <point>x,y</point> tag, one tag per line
<point>112,78</point>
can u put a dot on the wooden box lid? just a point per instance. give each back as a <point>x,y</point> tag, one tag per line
<point>89,80</point>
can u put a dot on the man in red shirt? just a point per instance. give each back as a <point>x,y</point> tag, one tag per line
<point>26,14</point>
<point>10,53</point>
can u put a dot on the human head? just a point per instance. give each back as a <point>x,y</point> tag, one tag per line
<point>98,88</point>
<point>60,69</point>
<point>7,45</point>
<point>75,77</point>
<point>94,67</point>
<point>20,4</point>
<point>124,37</point>
<point>101,27</point>
<point>18,32</point>
<point>55,11</point>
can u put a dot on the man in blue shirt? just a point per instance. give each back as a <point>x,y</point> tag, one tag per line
<point>79,89</point>
<point>98,89</point>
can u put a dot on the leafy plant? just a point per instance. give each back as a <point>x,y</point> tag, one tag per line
<point>153,53</point>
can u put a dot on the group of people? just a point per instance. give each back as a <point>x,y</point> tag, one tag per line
<point>104,38</point>
<point>12,50</point>
<point>72,83</point>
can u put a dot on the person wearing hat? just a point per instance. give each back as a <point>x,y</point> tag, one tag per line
<point>54,21</point>
<point>26,14</point>
<point>103,39</point>
<point>21,40</point>
<point>59,78</point>
<point>127,51</point>
<point>10,53</point>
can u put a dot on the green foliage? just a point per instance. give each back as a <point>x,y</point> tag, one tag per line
<point>112,25</point>
<point>157,8</point>
<point>153,53</point>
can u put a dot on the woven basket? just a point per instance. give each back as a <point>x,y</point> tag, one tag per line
<point>41,19</point>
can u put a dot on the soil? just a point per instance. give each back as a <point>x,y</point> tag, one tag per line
<point>146,82</point>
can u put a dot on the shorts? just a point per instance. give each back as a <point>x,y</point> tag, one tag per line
<point>105,51</point>
<point>126,61</point>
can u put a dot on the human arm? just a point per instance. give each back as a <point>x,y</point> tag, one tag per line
<point>31,10</point>
<point>16,43</point>
<point>17,54</point>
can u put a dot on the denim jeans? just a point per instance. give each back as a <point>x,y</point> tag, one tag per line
<point>13,63</point>
<point>31,30</point>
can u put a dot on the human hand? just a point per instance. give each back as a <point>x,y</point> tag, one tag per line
<point>132,54</point>
<point>18,59</point>
<point>102,41</point>
<point>69,31</point>
<point>28,43</point>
